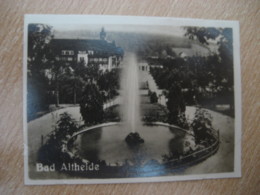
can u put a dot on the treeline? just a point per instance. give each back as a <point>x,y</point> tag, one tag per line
<point>201,79</point>
<point>205,80</point>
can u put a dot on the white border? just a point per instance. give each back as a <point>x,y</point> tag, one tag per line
<point>137,20</point>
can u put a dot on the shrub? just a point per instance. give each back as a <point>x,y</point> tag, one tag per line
<point>182,121</point>
<point>51,151</point>
<point>153,97</point>
<point>175,103</point>
<point>202,126</point>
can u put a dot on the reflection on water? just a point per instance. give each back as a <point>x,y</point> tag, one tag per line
<point>89,144</point>
<point>108,143</point>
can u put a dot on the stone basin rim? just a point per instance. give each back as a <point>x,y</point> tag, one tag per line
<point>119,123</point>
<point>174,163</point>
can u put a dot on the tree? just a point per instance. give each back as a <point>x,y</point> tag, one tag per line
<point>153,97</point>
<point>202,126</point>
<point>108,82</point>
<point>51,152</point>
<point>39,36</point>
<point>222,68</point>
<point>175,103</point>
<point>224,39</point>
<point>202,34</point>
<point>69,86</point>
<point>66,125</point>
<point>91,105</point>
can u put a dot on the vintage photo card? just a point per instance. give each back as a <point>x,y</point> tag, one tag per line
<point>116,99</point>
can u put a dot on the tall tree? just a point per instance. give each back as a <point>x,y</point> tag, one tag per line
<point>223,37</point>
<point>39,36</point>
<point>91,105</point>
<point>223,70</point>
<point>175,104</point>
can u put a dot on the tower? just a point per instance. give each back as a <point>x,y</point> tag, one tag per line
<point>103,34</point>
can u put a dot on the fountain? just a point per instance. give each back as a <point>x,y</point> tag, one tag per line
<point>130,148</point>
<point>130,109</point>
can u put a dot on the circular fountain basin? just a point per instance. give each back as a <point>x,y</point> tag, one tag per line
<point>108,143</point>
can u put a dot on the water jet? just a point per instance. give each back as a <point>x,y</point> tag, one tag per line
<point>130,109</point>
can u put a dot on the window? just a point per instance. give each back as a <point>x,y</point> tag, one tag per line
<point>90,52</point>
<point>67,52</point>
<point>70,59</point>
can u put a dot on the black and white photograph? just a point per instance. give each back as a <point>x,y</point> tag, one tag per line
<point>122,99</point>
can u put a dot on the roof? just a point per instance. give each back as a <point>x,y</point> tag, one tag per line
<point>98,46</point>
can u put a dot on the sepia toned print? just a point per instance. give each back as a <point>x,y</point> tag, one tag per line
<point>112,99</point>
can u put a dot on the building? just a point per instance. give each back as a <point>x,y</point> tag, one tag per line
<point>143,66</point>
<point>99,52</point>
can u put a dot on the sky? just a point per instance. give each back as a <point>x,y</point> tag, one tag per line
<point>164,30</point>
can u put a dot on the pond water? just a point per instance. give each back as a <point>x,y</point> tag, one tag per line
<point>108,143</point>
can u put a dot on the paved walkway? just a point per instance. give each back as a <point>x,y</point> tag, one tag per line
<point>223,160</point>
<point>147,77</point>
